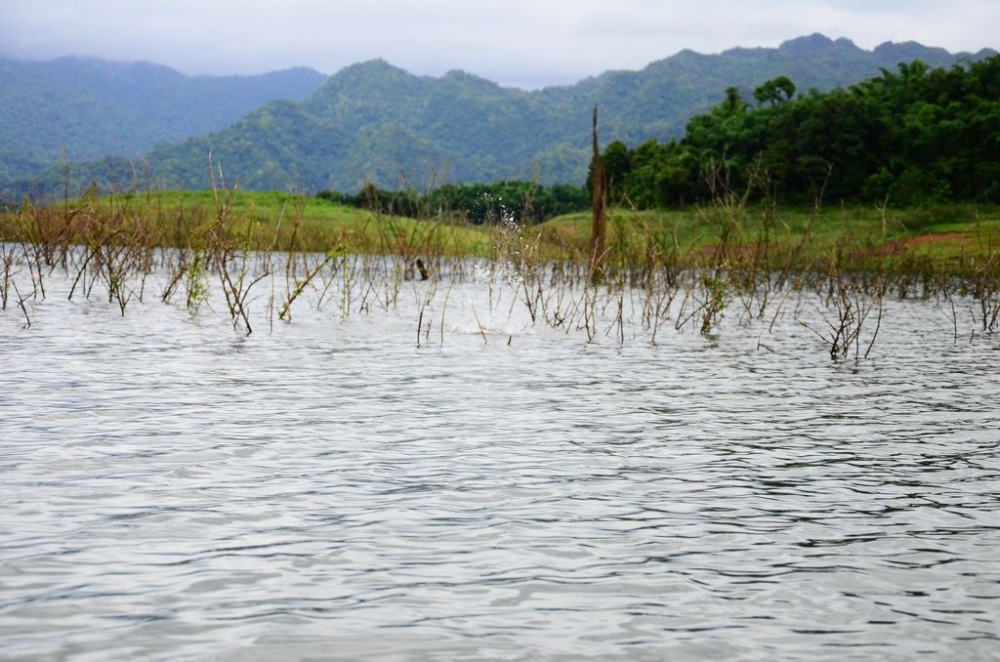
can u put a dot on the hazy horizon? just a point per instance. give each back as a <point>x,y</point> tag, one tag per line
<point>85,57</point>
<point>516,43</point>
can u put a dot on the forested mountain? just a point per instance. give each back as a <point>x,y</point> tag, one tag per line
<point>84,108</point>
<point>373,122</point>
<point>913,137</point>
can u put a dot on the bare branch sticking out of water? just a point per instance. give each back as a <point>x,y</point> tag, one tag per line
<point>482,330</point>
<point>20,303</point>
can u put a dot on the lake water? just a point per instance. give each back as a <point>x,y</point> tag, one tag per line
<point>327,489</point>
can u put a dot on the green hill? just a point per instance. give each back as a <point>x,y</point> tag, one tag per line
<point>373,122</point>
<point>84,109</point>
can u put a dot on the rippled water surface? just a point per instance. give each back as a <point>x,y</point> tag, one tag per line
<point>328,490</point>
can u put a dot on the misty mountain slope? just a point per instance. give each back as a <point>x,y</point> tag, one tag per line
<point>84,108</point>
<point>373,122</point>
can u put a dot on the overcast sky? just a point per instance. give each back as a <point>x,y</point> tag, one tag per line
<point>522,43</point>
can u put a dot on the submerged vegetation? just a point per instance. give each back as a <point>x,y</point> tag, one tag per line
<point>685,269</point>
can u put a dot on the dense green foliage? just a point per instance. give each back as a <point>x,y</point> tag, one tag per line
<point>499,202</point>
<point>912,136</point>
<point>375,123</point>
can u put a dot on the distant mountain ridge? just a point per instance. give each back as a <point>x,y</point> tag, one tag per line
<point>87,108</point>
<point>373,122</point>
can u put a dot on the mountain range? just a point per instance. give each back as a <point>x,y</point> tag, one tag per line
<point>82,109</point>
<point>373,122</point>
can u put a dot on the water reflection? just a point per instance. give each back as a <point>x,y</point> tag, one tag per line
<point>325,489</point>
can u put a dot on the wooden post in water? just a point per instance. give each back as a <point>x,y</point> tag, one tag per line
<point>598,228</point>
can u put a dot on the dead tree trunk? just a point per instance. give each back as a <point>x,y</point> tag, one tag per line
<point>598,228</point>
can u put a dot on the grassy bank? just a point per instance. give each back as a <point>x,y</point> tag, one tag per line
<point>256,220</point>
<point>856,237</point>
<point>865,238</point>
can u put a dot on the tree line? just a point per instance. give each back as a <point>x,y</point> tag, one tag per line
<point>913,136</point>
<point>512,201</point>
